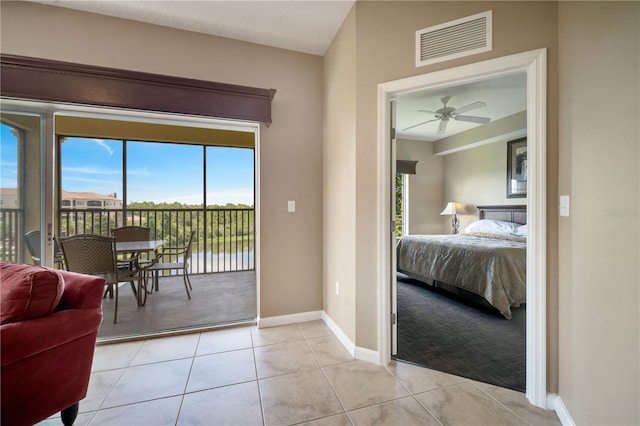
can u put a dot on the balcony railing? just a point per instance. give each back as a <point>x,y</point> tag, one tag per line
<point>224,239</point>
<point>11,230</point>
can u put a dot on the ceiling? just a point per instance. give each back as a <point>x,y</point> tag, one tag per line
<point>309,26</point>
<point>306,26</point>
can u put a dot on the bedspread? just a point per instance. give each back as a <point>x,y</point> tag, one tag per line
<point>491,266</point>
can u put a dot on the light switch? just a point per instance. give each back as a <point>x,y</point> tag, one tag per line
<point>291,206</point>
<point>564,205</point>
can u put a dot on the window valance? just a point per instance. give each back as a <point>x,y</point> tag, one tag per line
<point>45,80</point>
<point>406,167</point>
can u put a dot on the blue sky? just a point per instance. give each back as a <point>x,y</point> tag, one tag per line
<point>159,172</point>
<point>8,158</point>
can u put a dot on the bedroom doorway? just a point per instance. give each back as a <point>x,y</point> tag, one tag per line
<point>465,327</point>
<point>534,65</point>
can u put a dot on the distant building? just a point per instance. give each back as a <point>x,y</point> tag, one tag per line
<point>89,200</point>
<point>8,198</point>
<point>70,200</point>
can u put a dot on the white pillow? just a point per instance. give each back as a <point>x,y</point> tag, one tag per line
<point>490,226</point>
<point>521,231</point>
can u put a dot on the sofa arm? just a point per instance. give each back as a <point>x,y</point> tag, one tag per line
<point>24,339</point>
<point>81,291</point>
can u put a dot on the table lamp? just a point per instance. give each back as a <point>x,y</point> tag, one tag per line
<point>451,209</point>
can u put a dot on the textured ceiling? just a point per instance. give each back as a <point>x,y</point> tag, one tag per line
<point>304,26</point>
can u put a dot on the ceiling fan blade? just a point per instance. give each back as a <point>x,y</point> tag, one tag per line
<point>442,127</point>
<point>426,110</point>
<point>472,119</point>
<point>419,124</point>
<point>469,107</point>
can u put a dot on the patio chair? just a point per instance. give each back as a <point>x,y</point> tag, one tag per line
<point>58,258</point>
<point>32,241</point>
<point>96,255</point>
<point>131,233</point>
<point>182,257</point>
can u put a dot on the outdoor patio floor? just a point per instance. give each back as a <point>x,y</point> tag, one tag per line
<point>216,299</point>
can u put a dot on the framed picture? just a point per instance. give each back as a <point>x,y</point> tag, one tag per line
<point>517,168</point>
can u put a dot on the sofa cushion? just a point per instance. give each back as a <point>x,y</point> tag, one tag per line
<point>28,291</point>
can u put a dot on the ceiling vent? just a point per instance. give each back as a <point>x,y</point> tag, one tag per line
<point>455,39</point>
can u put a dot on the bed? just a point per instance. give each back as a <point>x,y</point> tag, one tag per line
<point>487,260</point>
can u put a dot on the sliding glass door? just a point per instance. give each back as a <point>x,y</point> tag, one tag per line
<point>21,186</point>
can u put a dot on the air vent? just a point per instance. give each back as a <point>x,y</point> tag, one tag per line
<point>455,39</point>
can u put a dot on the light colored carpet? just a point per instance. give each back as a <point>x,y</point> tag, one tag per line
<point>216,299</point>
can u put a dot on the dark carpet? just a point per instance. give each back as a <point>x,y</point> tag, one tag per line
<point>448,333</point>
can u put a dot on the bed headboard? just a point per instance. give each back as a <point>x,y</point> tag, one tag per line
<point>515,213</point>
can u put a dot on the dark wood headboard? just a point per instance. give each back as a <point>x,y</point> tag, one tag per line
<point>515,213</point>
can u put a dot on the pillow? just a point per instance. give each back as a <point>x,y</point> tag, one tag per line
<point>491,226</point>
<point>28,291</point>
<point>521,230</point>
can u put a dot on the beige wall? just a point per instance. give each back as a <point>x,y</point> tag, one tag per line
<point>477,177</point>
<point>425,187</point>
<point>340,178</point>
<point>291,148</point>
<point>385,33</point>
<point>600,241</point>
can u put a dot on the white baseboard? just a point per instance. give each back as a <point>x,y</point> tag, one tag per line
<point>554,402</point>
<point>363,354</point>
<point>368,355</point>
<point>289,319</point>
<point>337,331</point>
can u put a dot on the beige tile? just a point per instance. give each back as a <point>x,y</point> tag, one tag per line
<point>272,335</point>
<point>329,351</point>
<point>420,379</point>
<point>228,405</point>
<point>337,420</point>
<point>114,355</point>
<point>311,329</point>
<point>224,340</point>
<point>298,397</point>
<point>465,404</point>
<point>405,411</point>
<point>519,404</point>
<point>100,384</point>
<point>360,383</point>
<point>83,419</point>
<point>284,358</point>
<point>166,349</point>
<point>151,381</point>
<point>158,412</point>
<point>227,368</point>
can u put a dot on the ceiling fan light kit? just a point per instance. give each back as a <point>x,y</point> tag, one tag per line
<point>447,113</point>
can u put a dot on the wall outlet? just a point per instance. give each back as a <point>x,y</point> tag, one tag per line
<point>337,288</point>
<point>291,206</point>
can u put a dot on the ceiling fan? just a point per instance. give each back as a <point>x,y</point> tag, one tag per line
<point>447,113</point>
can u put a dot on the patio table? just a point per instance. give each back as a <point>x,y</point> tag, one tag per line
<point>139,247</point>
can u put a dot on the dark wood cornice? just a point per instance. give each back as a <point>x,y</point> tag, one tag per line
<point>54,81</point>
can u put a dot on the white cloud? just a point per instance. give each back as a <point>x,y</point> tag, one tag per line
<point>91,171</point>
<point>102,143</point>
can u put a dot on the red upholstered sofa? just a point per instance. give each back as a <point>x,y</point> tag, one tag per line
<point>48,331</point>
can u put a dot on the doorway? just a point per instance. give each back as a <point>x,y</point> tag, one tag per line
<point>534,65</point>
<point>445,328</point>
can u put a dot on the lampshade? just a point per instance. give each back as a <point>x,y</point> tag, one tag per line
<point>450,209</point>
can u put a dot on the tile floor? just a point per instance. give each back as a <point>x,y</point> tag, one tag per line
<point>294,374</point>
